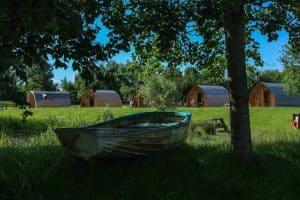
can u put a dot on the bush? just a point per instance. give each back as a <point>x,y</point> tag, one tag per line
<point>291,80</point>
<point>107,114</point>
<point>160,92</point>
<point>8,103</point>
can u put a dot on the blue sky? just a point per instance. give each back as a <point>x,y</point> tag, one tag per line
<point>270,53</point>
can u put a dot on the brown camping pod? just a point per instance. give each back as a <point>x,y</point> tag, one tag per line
<point>100,98</point>
<point>39,99</point>
<point>272,94</point>
<point>207,96</point>
<point>87,99</point>
<point>139,101</point>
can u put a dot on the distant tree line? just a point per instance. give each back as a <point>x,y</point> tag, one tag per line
<point>35,78</point>
<point>127,79</point>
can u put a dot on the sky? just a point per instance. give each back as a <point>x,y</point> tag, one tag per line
<point>270,53</point>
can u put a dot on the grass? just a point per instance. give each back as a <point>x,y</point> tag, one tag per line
<point>201,169</point>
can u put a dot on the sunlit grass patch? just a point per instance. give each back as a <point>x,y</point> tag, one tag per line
<point>36,166</point>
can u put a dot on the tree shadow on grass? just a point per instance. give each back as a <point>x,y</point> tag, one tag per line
<point>13,126</point>
<point>191,172</point>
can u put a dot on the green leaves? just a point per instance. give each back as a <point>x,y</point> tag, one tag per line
<point>39,78</point>
<point>291,80</point>
<point>33,31</point>
<point>160,92</point>
<point>270,76</point>
<point>291,74</point>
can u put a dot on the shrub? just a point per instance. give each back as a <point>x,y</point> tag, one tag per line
<point>8,103</point>
<point>107,114</point>
<point>160,92</point>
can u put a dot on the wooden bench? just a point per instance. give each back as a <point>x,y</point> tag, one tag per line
<point>219,122</point>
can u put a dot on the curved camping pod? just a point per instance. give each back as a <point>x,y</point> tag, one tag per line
<point>39,99</point>
<point>206,96</point>
<point>100,98</point>
<point>272,94</point>
<point>87,99</point>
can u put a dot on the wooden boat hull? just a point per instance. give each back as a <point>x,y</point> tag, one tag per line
<point>124,137</point>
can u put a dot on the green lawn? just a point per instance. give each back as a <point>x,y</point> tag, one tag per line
<point>201,169</point>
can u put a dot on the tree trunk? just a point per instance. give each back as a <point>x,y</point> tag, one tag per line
<point>239,109</point>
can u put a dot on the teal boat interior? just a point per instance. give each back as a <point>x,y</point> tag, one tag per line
<point>147,120</point>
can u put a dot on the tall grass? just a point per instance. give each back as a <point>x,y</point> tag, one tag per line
<point>201,169</point>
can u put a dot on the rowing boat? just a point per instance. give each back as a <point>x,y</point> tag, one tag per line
<point>129,136</point>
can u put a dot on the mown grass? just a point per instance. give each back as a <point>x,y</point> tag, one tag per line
<point>33,165</point>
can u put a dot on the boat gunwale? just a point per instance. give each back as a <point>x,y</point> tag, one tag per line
<point>186,116</point>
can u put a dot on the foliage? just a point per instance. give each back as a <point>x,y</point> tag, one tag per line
<point>126,79</point>
<point>160,92</point>
<point>291,74</point>
<point>127,92</point>
<point>35,32</point>
<point>39,78</point>
<point>291,80</point>
<point>290,56</point>
<point>108,76</point>
<point>270,76</point>
<point>111,76</point>
<point>107,114</point>
<point>70,87</point>
<point>28,159</point>
<point>252,77</point>
<point>8,103</point>
<point>17,99</point>
<point>223,29</point>
<point>9,86</point>
<point>14,98</point>
<point>66,31</point>
<point>26,112</point>
<point>81,85</point>
<point>191,76</point>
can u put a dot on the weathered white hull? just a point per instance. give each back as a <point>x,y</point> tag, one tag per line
<point>94,142</point>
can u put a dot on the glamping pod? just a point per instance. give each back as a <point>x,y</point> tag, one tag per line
<point>100,98</point>
<point>39,99</point>
<point>206,96</point>
<point>87,99</point>
<point>272,94</point>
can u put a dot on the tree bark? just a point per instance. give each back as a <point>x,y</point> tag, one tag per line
<point>239,109</point>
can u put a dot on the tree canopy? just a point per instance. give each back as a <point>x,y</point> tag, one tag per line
<point>197,32</point>
<point>33,32</point>
<point>270,76</point>
<point>291,74</point>
<point>39,78</point>
<point>221,26</point>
